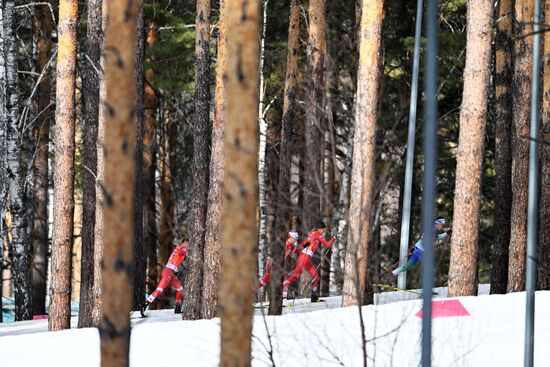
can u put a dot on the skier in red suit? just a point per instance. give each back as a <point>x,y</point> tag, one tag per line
<point>169,277</point>
<point>290,246</point>
<point>309,245</point>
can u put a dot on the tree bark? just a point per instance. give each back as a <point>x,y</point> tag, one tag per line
<point>63,178</point>
<point>543,279</point>
<point>140,260</point>
<point>100,199</point>
<point>521,97</point>
<point>473,115</point>
<point>39,236</point>
<point>114,328</point>
<point>240,230</point>
<point>90,95</point>
<point>20,244</point>
<point>3,136</point>
<point>212,245</point>
<point>503,146</point>
<point>283,203</point>
<point>364,145</point>
<point>201,160</point>
<point>316,56</point>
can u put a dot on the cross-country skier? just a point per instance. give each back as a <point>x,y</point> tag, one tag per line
<point>309,245</point>
<point>290,246</point>
<point>169,277</point>
<point>418,250</point>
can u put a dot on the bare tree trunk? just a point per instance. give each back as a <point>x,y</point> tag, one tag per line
<point>521,94</point>
<point>201,161</point>
<point>114,329</point>
<point>100,199</point>
<point>64,141</point>
<point>39,236</point>
<point>212,246</point>
<point>473,115</point>
<point>543,279</point>
<point>20,245</point>
<point>3,165</point>
<point>140,260</point>
<point>364,145</point>
<point>90,84</point>
<point>240,231</point>
<point>283,203</point>
<point>503,143</point>
<point>316,56</point>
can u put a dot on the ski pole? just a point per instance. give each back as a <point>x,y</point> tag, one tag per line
<point>310,281</point>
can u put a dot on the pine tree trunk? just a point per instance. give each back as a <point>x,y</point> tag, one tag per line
<point>150,101</point>
<point>240,228</point>
<point>316,61</point>
<point>90,85</point>
<point>521,95</point>
<point>212,245</point>
<point>39,236</point>
<point>63,178</point>
<point>543,279</point>
<point>364,144</point>
<point>3,135</point>
<point>118,277</point>
<point>201,161</point>
<point>20,245</point>
<point>140,260</point>
<point>283,203</point>
<point>473,115</point>
<point>503,146</point>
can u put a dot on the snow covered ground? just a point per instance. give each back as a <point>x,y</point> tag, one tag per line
<point>323,334</point>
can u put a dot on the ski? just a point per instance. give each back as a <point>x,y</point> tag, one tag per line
<point>392,288</point>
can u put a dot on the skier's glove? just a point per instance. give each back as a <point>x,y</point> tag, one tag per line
<point>410,251</point>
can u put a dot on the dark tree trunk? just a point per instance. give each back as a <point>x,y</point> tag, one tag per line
<point>39,237</point>
<point>283,203</point>
<point>20,245</point>
<point>140,260</point>
<point>503,147</point>
<point>90,85</point>
<point>201,162</point>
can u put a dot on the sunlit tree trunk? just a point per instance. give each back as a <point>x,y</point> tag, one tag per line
<point>473,115</point>
<point>90,84</point>
<point>201,162</point>
<point>20,244</point>
<point>316,61</point>
<point>364,144</point>
<point>503,146</point>
<point>100,199</point>
<point>283,203</point>
<point>240,228</point>
<point>39,236</point>
<point>140,260</point>
<point>543,279</point>
<point>63,178</point>
<point>118,277</point>
<point>212,238</point>
<point>521,97</point>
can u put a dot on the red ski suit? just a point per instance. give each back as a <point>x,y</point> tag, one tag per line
<point>289,247</point>
<point>168,275</point>
<point>309,245</point>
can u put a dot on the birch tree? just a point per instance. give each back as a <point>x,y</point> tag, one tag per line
<point>503,145</point>
<point>114,328</point>
<point>473,115</point>
<point>3,135</point>
<point>364,144</point>
<point>212,245</point>
<point>201,161</point>
<point>90,84</point>
<point>240,228</point>
<point>39,237</point>
<point>521,97</point>
<point>283,202</point>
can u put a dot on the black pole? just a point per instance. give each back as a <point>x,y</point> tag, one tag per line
<point>430,161</point>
